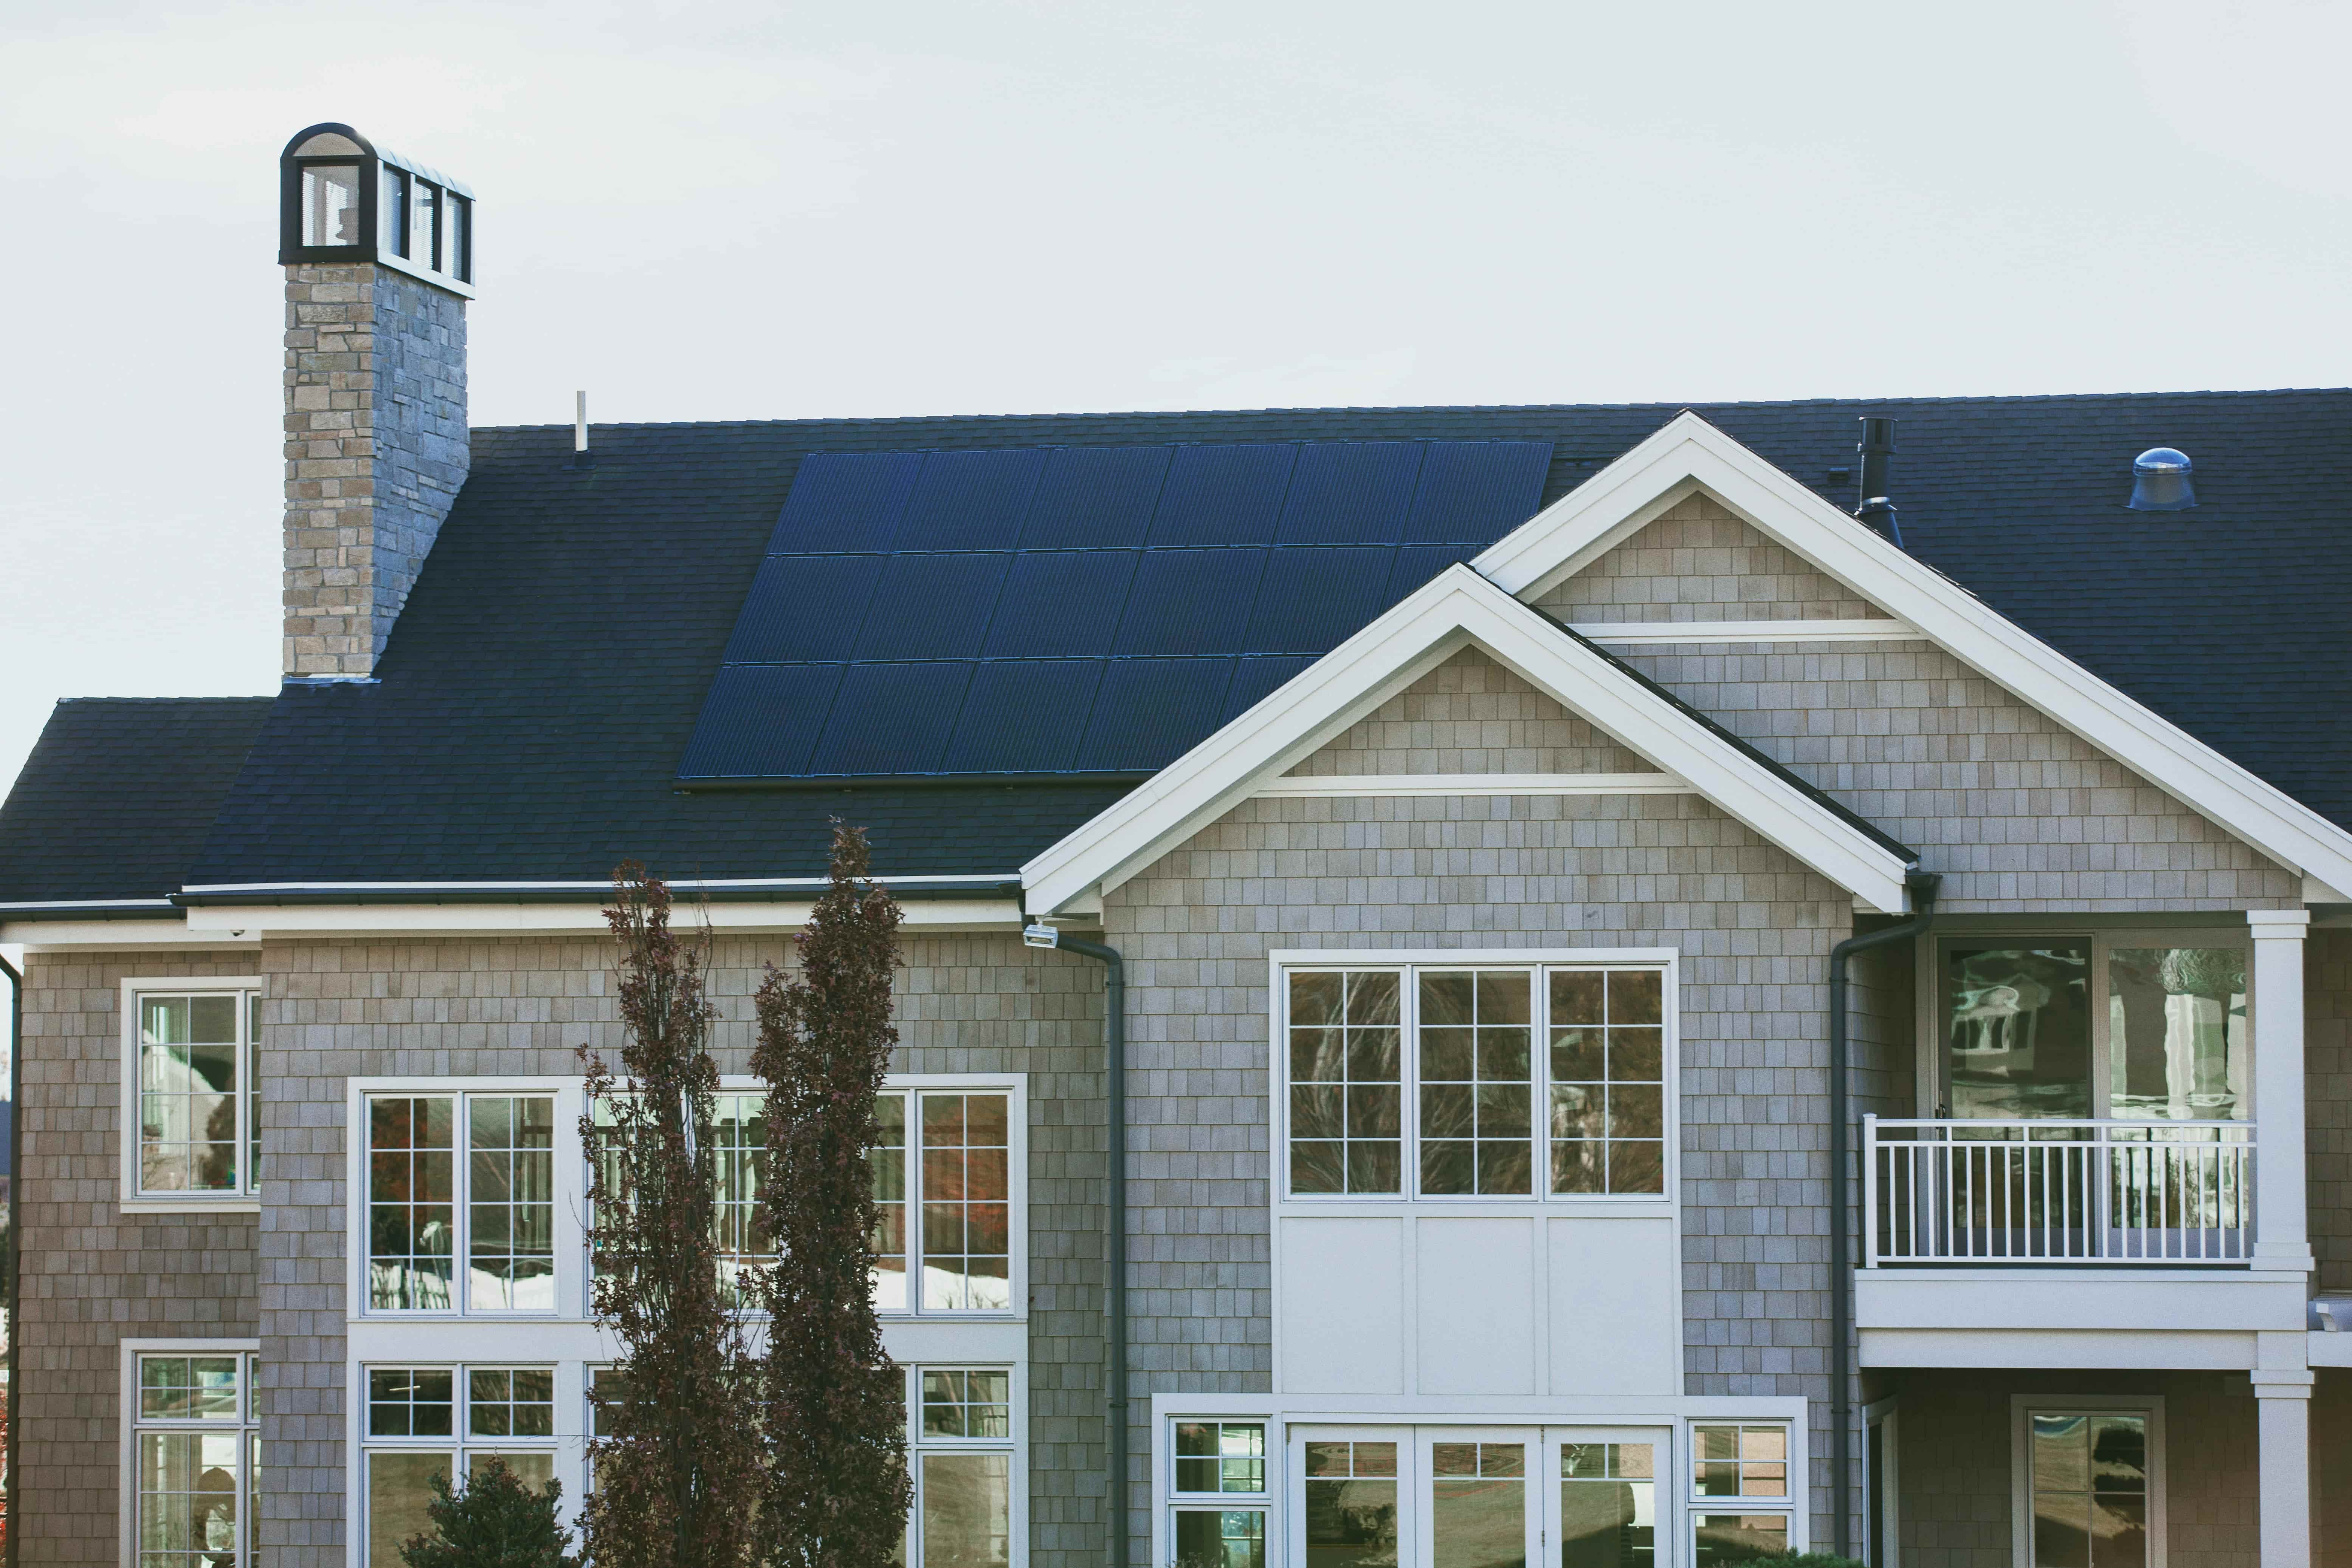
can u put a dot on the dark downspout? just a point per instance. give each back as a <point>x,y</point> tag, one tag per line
<point>15,1526</point>
<point>1922,886</point>
<point>1115,1227</point>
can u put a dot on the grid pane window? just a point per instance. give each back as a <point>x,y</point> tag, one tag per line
<point>888,1162</point>
<point>1608,1080</point>
<point>2090,1481</point>
<point>1345,1082</point>
<point>511,1401</point>
<point>330,204</point>
<point>412,1195</point>
<point>193,1453</point>
<point>511,1201</point>
<point>1476,1092</point>
<point>1219,1456</point>
<point>1221,1538</point>
<point>739,1133</point>
<point>194,1073</point>
<point>392,212</point>
<point>1740,1461</point>
<point>960,1404</point>
<point>1608,1505</point>
<point>1351,1505</point>
<point>967,1202</point>
<point>963,1464</point>
<point>447,1421</point>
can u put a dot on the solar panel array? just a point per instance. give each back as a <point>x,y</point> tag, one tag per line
<point>1075,611</point>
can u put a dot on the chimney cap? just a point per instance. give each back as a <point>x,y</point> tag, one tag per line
<point>341,197</point>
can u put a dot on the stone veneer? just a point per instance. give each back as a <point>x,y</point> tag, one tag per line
<point>376,448</point>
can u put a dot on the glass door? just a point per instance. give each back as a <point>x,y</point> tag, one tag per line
<point>1477,1496</point>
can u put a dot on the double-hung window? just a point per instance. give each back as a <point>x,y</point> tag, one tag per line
<point>1451,1080</point>
<point>424,1422</point>
<point>965,1463</point>
<point>193,1454</point>
<point>1219,1495</point>
<point>192,1093</point>
<point>1742,1506</point>
<point>461,1203</point>
<point>943,1184</point>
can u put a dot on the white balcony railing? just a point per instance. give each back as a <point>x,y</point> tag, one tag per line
<point>2057,1192</point>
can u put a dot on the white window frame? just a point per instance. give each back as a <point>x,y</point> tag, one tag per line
<point>1283,963</point>
<point>1170,1501</point>
<point>1015,1088</point>
<point>251,992</point>
<point>131,1426</point>
<point>568,1446</point>
<point>1933,1075</point>
<point>1884,1416</point>
<point>2023,1407</point>
<point>1015,1447</point>
<point>570,1194</point>
<point>1792,1505</point>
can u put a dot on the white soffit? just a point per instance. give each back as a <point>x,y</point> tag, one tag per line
<point>1455,609</point>
<point>1689,456</point>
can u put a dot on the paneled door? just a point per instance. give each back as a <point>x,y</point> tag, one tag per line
<point>1475,1497</point>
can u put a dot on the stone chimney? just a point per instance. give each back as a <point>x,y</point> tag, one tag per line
<point>379,261</point>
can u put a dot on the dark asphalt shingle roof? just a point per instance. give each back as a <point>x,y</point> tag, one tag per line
<point>537,693</point>
<point>118,794</point>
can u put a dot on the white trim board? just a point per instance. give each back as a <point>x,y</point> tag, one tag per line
<point>1688,457</point>
<point>1335,785</point>
<point>1456,609</point>
<point>1637,634</point>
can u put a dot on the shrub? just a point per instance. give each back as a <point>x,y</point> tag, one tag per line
<point>492,1519</point>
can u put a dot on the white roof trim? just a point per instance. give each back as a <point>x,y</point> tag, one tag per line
<point>1455,609</point>
<point>1348,785</point>
<point>1688,455</point>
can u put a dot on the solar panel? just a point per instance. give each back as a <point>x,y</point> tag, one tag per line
<point>1075,611</point>
<point>1148,710</point>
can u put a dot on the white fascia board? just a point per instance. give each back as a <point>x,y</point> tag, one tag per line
<point>1344,785</point>
<point>249,923</point>
<point>1689,456</point>
<point>1455,609</point>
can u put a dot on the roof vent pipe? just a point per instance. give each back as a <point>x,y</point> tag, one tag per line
<point>1876,445</point>
<point>582,458</point>
<point>2163,480</point>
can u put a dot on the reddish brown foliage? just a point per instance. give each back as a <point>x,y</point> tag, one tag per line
<point>675,1470</point>
<point>834,1404</point>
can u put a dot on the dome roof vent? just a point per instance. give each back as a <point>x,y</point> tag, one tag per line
<point>2162,480</point>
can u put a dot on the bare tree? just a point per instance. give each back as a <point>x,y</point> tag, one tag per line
<point>833,1406</point>
<point>676,1460</point>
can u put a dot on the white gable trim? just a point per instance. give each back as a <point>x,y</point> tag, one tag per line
<point>1455,609</point>
<point>1689,456</point>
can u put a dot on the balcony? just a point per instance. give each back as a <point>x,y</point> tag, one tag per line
<point>2057,1194</point>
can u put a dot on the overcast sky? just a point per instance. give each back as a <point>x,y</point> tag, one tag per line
<point>775,210</point>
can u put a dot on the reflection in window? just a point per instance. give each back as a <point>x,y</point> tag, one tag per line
<point>412,1155</point>
<point>1727,1537</point>
<point>966,1196</point>
<point>1219,1456</point>
<point>1740,1461</point>
<point>887,1162</point>
<point>399,1493</point>
<point>1475,1089</point>
<point>1221,1538</point>
<point>2177,1046</point>
<point>963,1468</point>
<point>2090,1490</point>
<point>2018,1031</point>
<point>511,1201</point>
<point>1346,1117</point>
<point>1608,1080</point>
<point>1478,1505</point>
<point>738,1136</point>
<point>1351,1505</point>
<point>960,1404</point>
<point>193,1461</point>
<point>330,205</point>
<point>190,1065</point>
<point>391,212</point>
<point>1608,1505</point>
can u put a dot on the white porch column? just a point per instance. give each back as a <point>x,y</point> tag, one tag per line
<point>2281,1238</point>
<point>2283,1407</point>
